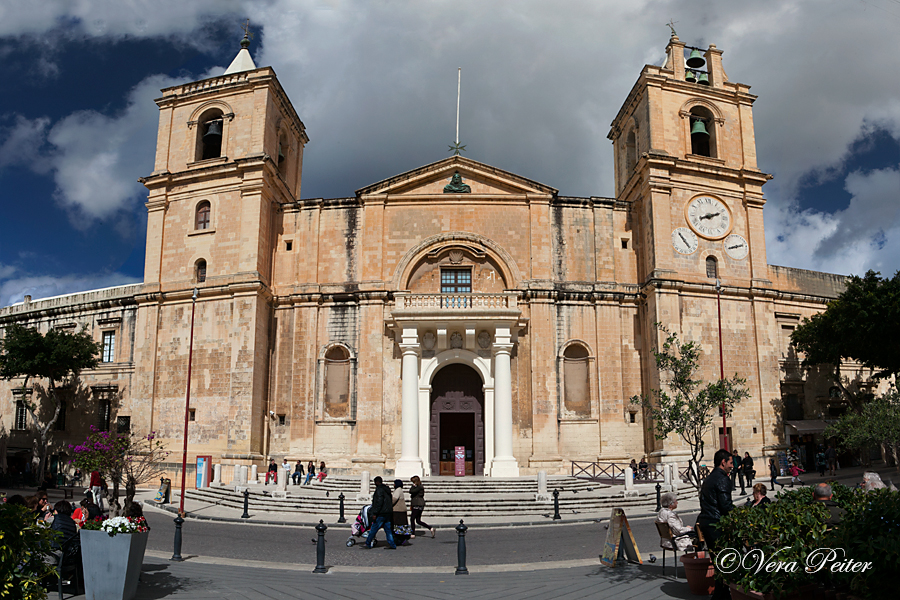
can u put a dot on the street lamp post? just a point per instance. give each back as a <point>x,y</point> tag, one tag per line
<point>179,520</point>
<point>721,363</point>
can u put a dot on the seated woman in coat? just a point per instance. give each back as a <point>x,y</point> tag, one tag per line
<point>669,502</point>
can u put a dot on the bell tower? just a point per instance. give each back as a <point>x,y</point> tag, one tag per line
<point>685,157</point>
<point>229,156</point>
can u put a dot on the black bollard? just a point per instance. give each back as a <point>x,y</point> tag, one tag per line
<point>658,488</point>
<point>246,514</point>
<point>461,549</point>
<point>320,548</point>
<point>556,516</point>
<point>341,519</point>
<point>176,556</point>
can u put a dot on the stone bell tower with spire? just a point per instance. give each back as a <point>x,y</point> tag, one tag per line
<point>229,155</point>
<point>685,161</point>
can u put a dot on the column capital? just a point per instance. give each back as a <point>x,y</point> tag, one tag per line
<point>505,349</point>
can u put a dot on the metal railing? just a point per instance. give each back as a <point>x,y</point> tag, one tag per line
<point>614,473</point>
<point>455,301</point>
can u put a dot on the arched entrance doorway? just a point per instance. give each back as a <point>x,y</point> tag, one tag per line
<point>457,419</point>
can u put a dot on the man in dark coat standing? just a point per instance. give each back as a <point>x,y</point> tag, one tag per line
<point>382,512</point>
<point>737,472</point>
<point>715,502</point>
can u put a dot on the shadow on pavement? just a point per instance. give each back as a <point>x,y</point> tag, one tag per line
<point>156,582</point>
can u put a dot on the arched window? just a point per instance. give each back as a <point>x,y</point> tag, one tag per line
<point>703,132</point>
<point>200,271</point>
<point>337,384</point>
<point>577,381</point>
<point>283,150</point>
<point>630,153</point>
<point>209,131</point>
<point>201,221</point>
<point>712,267</point>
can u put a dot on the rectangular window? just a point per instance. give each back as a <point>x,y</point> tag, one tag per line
<point>109,346</point>
<point>456,281</point>
<point>61,419</point>
<point>103,410</point>
<point>192,414</point>
<point>21,416</point>
<point>123,425</point>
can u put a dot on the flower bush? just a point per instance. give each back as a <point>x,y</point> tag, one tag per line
<point>116,525</point>
<point>23,546</point>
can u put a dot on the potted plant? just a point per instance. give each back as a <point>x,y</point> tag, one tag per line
<point>700,573</point>
<point>112,554</point>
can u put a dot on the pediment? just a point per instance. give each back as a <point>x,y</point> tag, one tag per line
<point>482,179</point>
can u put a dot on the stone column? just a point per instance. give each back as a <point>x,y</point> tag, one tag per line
<point>542,495</point>
<point>504,463</point>
<point>675,476</point>
<point>242,475</point>
<point>409,463</point>
<point>217,475</point>
<point>254,474</point>
<point>364,495</point>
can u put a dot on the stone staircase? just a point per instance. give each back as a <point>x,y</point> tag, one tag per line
<point>447,497</point>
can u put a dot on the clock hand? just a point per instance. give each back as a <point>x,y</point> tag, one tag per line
<point>681,235</point>
<point>709,216</point>
<point>736,246</point>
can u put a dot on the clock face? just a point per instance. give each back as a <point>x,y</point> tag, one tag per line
<point>684,241</point>
<point>708,216</point>
<point>736,246</point>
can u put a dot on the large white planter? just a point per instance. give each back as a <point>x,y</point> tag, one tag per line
<point>112,564</point>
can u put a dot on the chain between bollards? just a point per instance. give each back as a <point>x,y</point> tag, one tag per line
<point>556,516</point>
<point>176,556</point>
<point>461,549</point>
<point>246,514</point>
<point>341,519</point>
<point>658,488</point>
<point>320,548</point>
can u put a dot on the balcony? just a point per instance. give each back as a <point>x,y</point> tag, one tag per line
<point>410,306</point>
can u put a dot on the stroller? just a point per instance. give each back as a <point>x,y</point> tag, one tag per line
<point>360,527</point>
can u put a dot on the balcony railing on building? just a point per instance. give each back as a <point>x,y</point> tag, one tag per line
<point>498,305</point>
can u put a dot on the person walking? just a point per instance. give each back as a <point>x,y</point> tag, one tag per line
<point>749,473</point>
<point>715,503</point>
<point>737,473</point>
<point>382,510</point>
<point>298,472</point>
<point>831,459</point>
<point>310,472</point>
<point>400,519</point>
<point>795,471</point>
<point>821,461</point>
<point>96,484</point>
<point>417,506</point>
<point>773,473</point>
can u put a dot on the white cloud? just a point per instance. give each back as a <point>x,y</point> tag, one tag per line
<point>13,290</point>
<point>20,143</point>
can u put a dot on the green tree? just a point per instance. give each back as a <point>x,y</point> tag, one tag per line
<point>689,407</point>
<point>861,325</point>
<point>877,424</point>
<point>57,358</point>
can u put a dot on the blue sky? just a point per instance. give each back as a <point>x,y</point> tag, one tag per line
<point>375,84</point>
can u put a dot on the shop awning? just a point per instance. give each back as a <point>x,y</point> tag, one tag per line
<point>807,426</point>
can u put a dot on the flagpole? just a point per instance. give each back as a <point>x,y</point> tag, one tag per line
<point>458,84</point>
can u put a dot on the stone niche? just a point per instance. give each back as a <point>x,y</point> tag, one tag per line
<point>477,269</point>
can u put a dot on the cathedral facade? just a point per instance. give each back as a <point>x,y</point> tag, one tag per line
<point>454,305</point>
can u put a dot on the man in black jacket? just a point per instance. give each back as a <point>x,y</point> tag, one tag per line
<point>715,502</point>
<point>737,472</point>
<point>382,511</point>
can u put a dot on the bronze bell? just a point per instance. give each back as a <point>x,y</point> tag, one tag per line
<point>689,76</point>
<point>213,130</point>
<point>703,79</point>
<point>698,127</point>
<point>695,60</point>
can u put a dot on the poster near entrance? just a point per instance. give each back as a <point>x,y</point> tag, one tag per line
<point>459,454</point>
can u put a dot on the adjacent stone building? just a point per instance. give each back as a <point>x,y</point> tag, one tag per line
<point>456,304</point>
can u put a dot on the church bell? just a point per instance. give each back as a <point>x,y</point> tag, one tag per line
<point>695,60</point>
<point>703,79</point>
<point>689,76</point>
<point>213,132</point>
<point>699,128</point>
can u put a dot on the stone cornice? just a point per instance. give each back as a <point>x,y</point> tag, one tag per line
<point>750,292</point>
